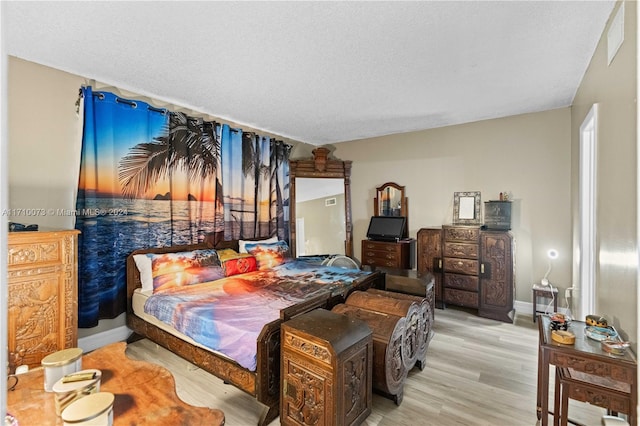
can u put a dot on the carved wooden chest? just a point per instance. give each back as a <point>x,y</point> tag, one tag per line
<point>389,370</point>
<point>326,374</point>
<point>42,275</point>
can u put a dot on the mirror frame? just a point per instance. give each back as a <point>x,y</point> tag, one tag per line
<point>320,166</point>
<point>457,219</point>
<point>404,203</point>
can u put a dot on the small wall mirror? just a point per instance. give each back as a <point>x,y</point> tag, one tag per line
<point>390,201</point>
<point>466,208</point>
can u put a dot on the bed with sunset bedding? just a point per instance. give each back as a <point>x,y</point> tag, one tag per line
<point>222,310</point>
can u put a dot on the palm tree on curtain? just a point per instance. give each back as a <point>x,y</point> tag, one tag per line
<point>278,155</point>
<point>188,144</point>
<point>252,164</point>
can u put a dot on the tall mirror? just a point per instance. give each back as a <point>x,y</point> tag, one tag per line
<point>320,206</point>
<point>390,201</point>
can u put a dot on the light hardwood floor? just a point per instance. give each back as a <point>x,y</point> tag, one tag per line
<point>478,372</point>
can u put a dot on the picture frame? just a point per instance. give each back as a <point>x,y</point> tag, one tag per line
<point>466,208</point>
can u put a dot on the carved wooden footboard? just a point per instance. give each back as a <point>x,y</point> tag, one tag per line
<point>264,383</point>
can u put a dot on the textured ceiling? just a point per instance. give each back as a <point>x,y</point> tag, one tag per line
<point>322,72</point>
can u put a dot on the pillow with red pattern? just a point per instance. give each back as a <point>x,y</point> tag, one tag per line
<point>268,255</point>
<point>241,264</point>
<point>184,268</point>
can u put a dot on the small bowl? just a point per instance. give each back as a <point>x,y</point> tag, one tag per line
<point>614,347</point>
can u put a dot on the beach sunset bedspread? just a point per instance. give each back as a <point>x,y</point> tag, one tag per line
<point>227,314</point>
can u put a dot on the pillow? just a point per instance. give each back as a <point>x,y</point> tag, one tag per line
<point>234,263</point>
<point>239,265</point>
<point>143,263</point>
<point>268,255</point>
<point>224,254</point>
<point>242,243</point>
<point>184,268</point>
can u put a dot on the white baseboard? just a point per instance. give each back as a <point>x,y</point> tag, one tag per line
<point>98,340</point>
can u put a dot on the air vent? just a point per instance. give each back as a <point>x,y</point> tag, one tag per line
<point>330,202</point>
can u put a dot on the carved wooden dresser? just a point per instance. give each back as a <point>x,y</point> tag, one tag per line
<point>388,254</point>
<point>326,370</point>
<point>42,277</point>
<point>472,268</point>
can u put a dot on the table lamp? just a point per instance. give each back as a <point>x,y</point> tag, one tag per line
<point>551,254</point>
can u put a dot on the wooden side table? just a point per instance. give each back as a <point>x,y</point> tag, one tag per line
<point>546,293</point>
<point>145,394</point>
<point>584,356</point>
<point>326,370</point>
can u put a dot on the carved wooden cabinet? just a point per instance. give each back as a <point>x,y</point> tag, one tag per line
<point>326,370</point>
<point>429,258</point>
<point>42,280</point>
<point>497,291</point>
<point>388,254</point>
<point>473,268</point>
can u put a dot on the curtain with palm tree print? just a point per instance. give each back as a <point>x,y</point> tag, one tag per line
<point>256,198</point>
<point>154,178</point>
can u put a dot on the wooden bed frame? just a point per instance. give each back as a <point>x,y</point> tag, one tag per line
<point>264,383</point>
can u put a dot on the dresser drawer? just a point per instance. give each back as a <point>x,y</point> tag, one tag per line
<point>381,246</point>
<point>462,234</point>
<point>34,253</point>
<point>461,298</point>
<point>468,251</point>
<point>383,254</point>
<point>379,261</point>
<point>461,266</point>
<point>462,282</point>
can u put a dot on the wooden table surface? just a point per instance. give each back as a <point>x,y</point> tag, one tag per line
<point>144,394</point>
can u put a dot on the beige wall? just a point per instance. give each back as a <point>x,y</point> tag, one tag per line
<point>44,143</point>
<point>614,88</point>
<point>527,155</point>
<point>324,225</point>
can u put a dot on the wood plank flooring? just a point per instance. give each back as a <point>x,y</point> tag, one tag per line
<point>478,372</point>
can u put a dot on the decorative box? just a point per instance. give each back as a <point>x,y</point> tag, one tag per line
<point>497,215</point>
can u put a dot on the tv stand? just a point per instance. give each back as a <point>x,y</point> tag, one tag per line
<point>390,254</point>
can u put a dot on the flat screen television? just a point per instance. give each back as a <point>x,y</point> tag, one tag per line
<point>386,228</point>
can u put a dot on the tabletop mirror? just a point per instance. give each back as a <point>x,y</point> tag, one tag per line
<point>391,201</point>
<point>320,206</point>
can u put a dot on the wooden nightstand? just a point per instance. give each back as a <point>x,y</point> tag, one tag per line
<point>326,370</point>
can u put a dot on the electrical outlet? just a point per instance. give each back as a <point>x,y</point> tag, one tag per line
<point>568,292</point>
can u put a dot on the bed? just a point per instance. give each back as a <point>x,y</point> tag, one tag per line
<point>262,382</point>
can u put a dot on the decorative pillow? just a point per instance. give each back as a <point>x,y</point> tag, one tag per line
<point>268,255</point>
<point>244,262</point>
<point>224,254</point>
<point>234,263</point>
<point>143,263</point>
<point>184,268</point>
<point>242,243</point>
